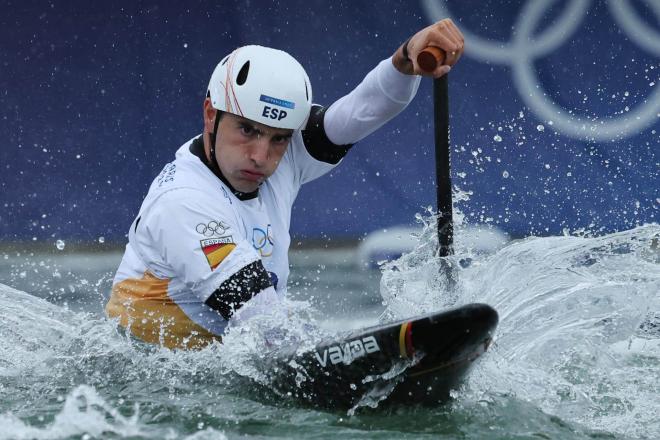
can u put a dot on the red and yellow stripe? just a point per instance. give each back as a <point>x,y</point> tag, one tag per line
<point>406,348</point>
<point>215,253</point>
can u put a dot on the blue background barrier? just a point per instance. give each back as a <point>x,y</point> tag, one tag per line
<point>555,109</point>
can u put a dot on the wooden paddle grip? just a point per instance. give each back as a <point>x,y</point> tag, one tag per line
<point>430,58</point>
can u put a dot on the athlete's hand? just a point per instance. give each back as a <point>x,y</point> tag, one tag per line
<point>445,35</point>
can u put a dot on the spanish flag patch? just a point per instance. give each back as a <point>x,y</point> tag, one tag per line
<point>217,249</point>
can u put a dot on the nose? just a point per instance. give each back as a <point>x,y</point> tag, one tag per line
<point>259,150</point>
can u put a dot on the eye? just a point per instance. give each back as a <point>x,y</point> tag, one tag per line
<point>281,139</point>
<point>246,129</point>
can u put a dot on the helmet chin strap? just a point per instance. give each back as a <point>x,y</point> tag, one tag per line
<point>212,135</point>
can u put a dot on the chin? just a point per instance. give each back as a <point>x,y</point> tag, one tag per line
<point>247,188</point>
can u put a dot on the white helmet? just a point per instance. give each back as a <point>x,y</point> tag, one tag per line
<point>262,84</point>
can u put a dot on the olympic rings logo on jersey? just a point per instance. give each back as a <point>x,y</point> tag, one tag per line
<point>212,229</point>
<point>262,241</point>
<point>525,47</point>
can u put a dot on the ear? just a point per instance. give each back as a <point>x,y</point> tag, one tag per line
<point>209,116</point>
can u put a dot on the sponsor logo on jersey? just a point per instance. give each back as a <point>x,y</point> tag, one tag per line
<point>213,228</point>
<point>167,174</point>
<point>348,351</point>
<point>217,249</point>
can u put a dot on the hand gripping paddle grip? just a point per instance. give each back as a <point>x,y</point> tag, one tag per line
<point>430,58</point>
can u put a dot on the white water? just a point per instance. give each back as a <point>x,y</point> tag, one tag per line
<point>579,332</point>
<point>578,339</point>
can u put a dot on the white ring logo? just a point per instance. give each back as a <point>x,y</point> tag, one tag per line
<point>525,47</point>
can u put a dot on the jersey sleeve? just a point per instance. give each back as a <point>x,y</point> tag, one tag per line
<point>382,94</point>
<point>188,235</point>
<point>301,164</point>
<point>312,153</point>
<point>331,132</point>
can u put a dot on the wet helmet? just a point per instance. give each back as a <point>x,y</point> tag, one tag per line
<point>262,84</point>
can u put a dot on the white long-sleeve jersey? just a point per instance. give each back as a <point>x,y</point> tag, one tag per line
<point>198,251</point>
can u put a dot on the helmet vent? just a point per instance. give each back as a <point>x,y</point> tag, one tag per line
<point>306,91</point>
<point>223,62</point>
<point>243,73</point>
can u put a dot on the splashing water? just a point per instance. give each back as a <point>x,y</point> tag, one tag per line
<point>84,412</point>
<point>577,350</point>
<point>86,415</point>
<point>52,349</point>
<point>575,319</point>
<point>579,333</point>
<point>249,343</point>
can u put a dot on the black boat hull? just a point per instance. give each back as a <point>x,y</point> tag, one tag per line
<point>415,361</point>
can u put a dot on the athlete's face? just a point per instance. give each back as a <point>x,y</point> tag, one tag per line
<point>248,152</point>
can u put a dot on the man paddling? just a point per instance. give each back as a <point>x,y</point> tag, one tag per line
<point>212,234</point>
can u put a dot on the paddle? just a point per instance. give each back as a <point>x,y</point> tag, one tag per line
<point>428,59</point>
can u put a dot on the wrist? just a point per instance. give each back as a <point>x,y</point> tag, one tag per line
<point>404,50</point>
<point>401,59</point>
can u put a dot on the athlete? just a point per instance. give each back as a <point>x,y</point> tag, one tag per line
<point>209,245</point>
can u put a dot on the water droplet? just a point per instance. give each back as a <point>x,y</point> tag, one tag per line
<point>497,138</point>
<point>353,387</point>
<point>505,174</point>
<point>547,166</point>
<point>59,244</point>
<point>101,239</point>
<point>540,127</point>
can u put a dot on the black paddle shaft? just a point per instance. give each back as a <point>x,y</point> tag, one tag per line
<point>442,165</point>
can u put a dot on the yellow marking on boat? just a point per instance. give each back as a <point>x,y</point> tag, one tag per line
<point>402,340</point>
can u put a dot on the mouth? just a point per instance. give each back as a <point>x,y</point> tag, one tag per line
<point>253,176</point>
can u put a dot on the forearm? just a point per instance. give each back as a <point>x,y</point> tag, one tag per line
<point>383,94</point>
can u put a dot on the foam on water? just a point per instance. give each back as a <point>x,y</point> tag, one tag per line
<point>285,324</point>
<point>579,333</point>
<point>578,340</point>
<point>86,415</point>
<point>48,351</point>
<point>84,412</point>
